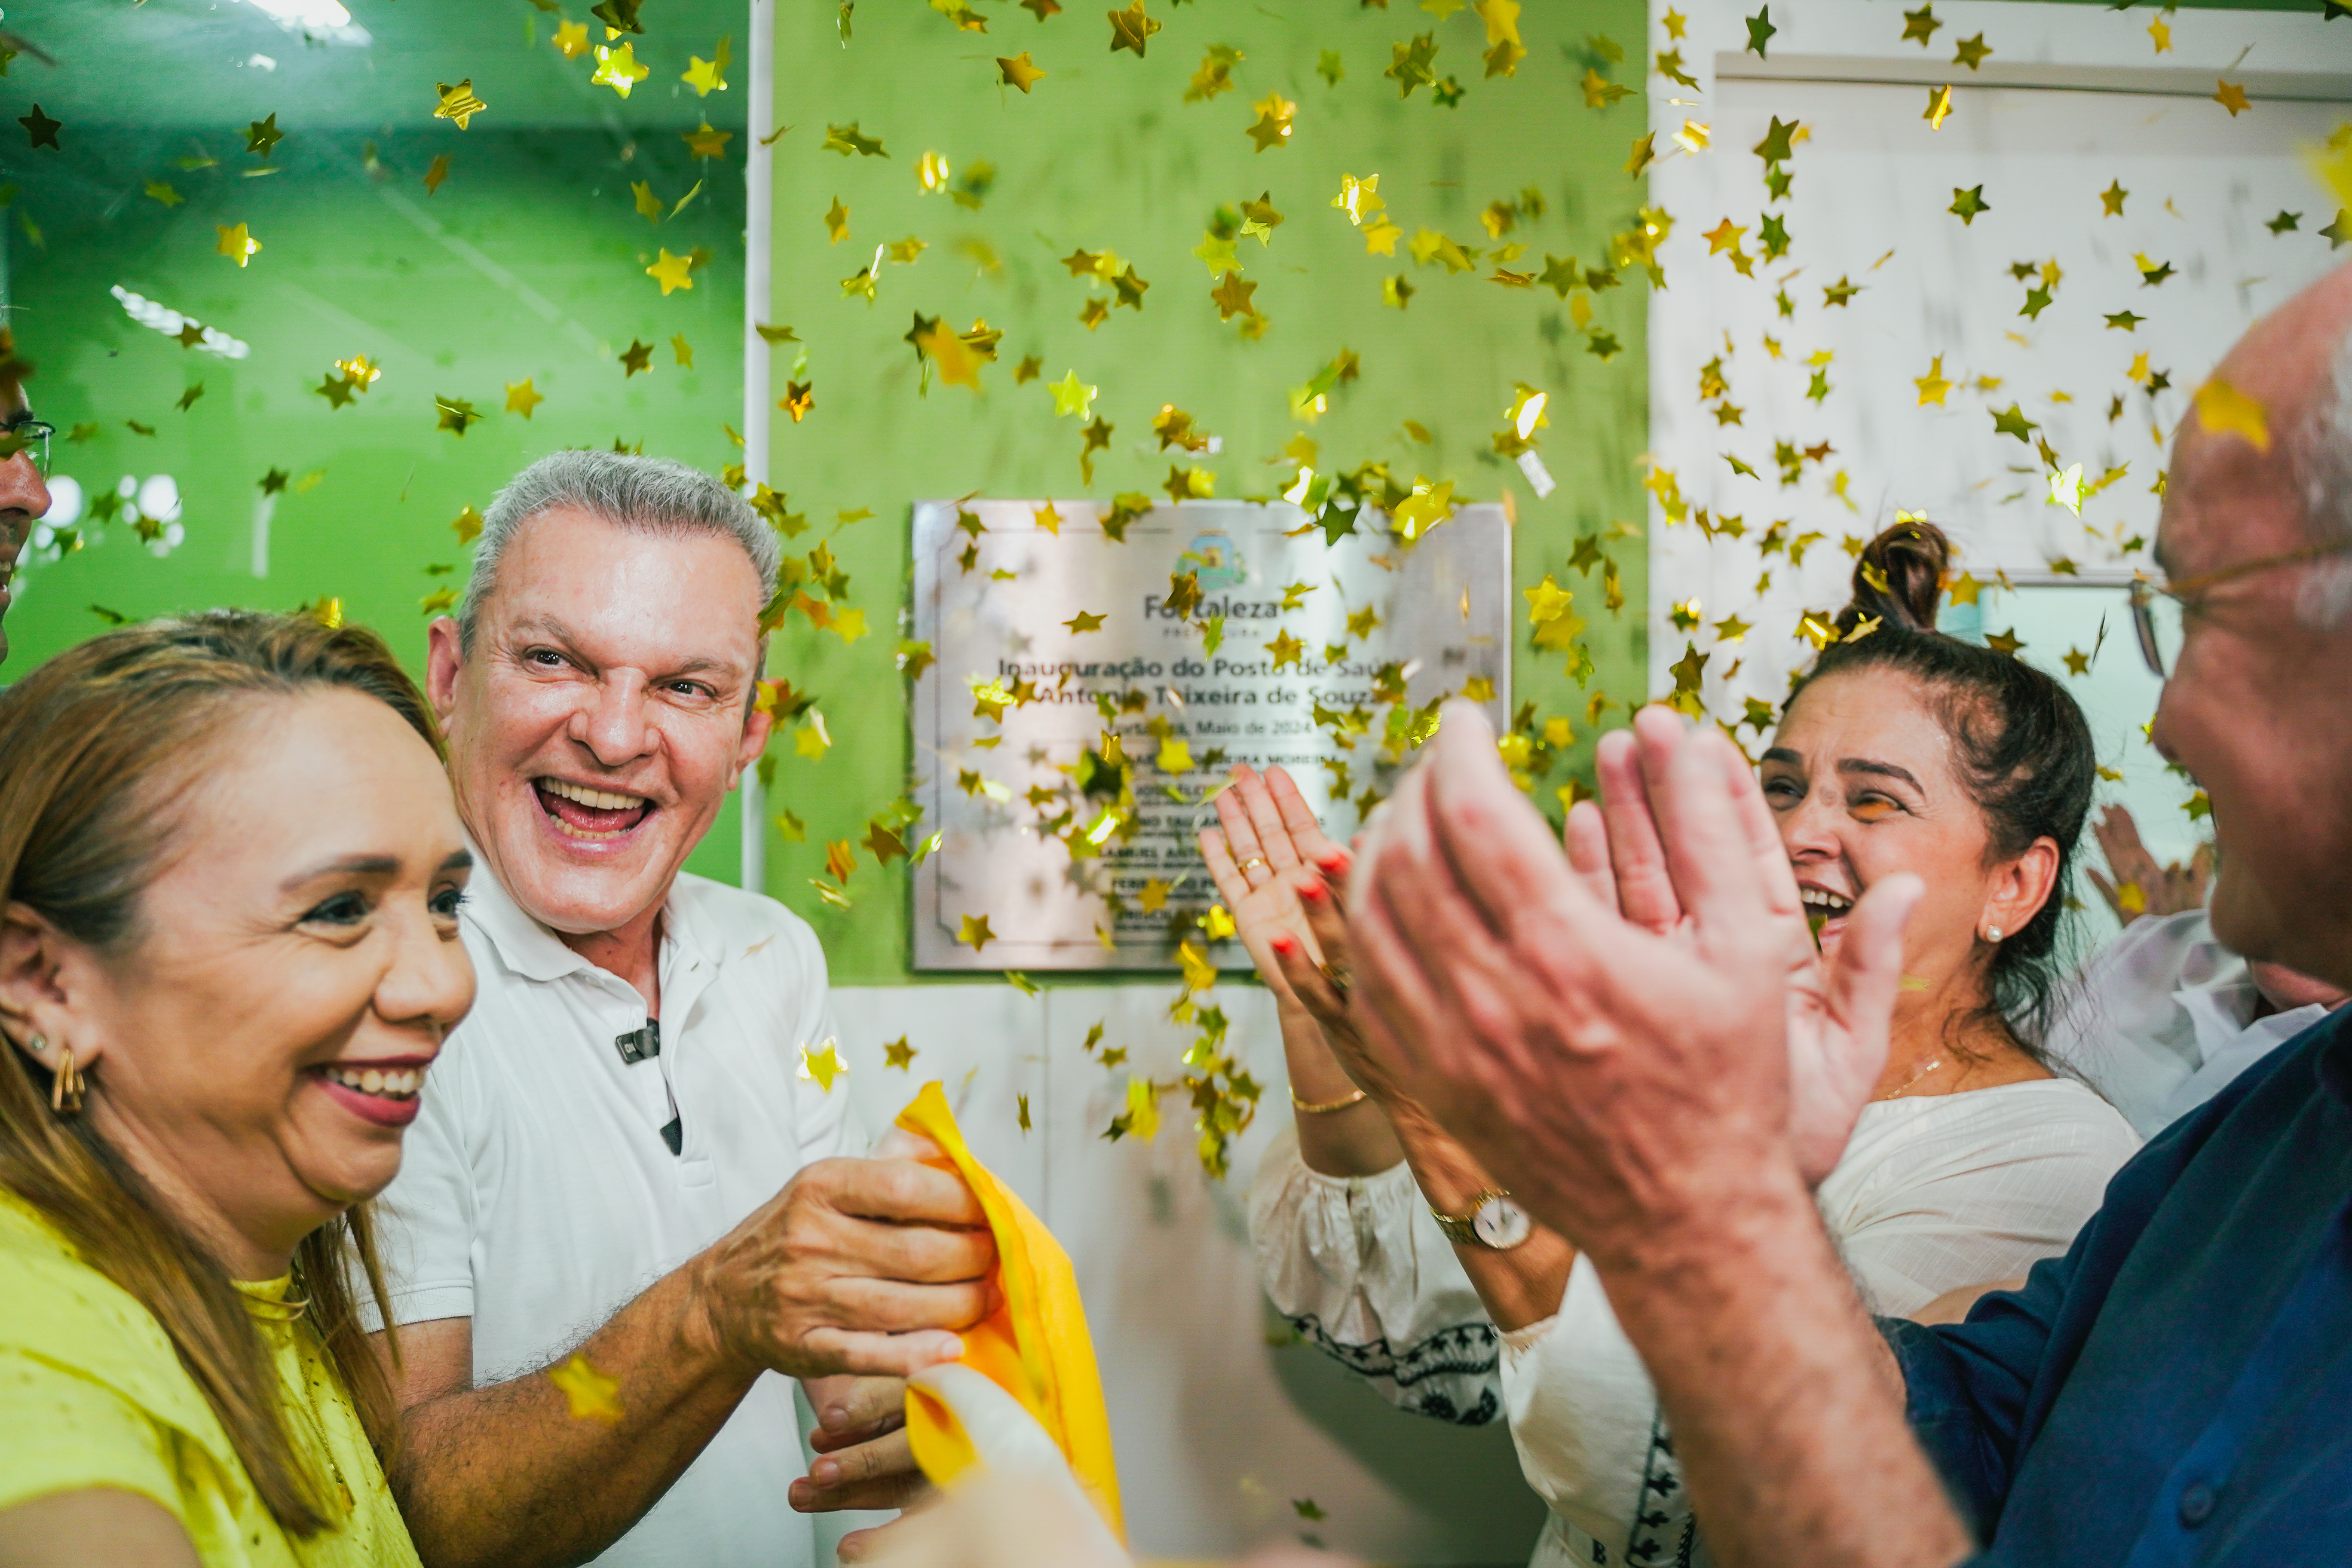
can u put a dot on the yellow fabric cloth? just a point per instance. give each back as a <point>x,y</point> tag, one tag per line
<point>92,1395</point>
<point>1035,1347</point>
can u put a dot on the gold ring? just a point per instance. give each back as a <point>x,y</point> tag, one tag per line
<point>1252,860</point>
<point>1339,977</point>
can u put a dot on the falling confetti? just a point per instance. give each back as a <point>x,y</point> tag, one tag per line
<point>459,103</point>
<point>591,1395</point>
<point>2224,410</point>
<point>237,244</point>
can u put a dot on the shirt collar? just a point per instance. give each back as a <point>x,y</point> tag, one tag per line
<point>2335,1055</point>
<point>535,952</point>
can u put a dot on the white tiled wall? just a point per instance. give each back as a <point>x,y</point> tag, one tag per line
<point>1218,1428</point>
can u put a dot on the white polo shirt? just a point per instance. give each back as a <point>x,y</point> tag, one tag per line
<point>537,1195</point>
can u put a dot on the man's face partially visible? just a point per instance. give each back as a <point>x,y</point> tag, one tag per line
<point>24,497</point>
<point>599,720</point>
<point>2258,708</point>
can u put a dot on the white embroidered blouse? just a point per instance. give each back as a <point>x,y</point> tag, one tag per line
<point>1933,1194</point>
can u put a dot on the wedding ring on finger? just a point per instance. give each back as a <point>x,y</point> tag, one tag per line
<point>1337,977</point>
<point>1255,860</point>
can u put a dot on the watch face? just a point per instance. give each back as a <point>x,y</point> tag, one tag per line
<point>1500,1224</point>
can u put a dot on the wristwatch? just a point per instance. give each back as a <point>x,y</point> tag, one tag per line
<point>1493,1222</point>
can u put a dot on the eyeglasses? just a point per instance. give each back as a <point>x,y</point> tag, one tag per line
<point>2154,640</point>
<point>23,433</point>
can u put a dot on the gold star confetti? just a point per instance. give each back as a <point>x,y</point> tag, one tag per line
<point>1215,75</point>
<point>466,525</point>
<point>1940,108</point>
<point>2112,199</point>
<point>1411,64</point>
<point>1967,204</point>
<point>1600,92</point>
<point>263,135</point>
<point>162,192</point>
<point>237,244</point>
<point>705,143</point>
<point>975,927</point>
<point>958,365</point>
<point>1048,519</point>
<point>618,69</point>
<point>42,130</point>
<point>847,138</point>
<point>683,350</point>
<point>436,172</point>
<point>1972,52</point>
<point>1920,25</point>
<point>706,76</point>
<point>1018,70</point>
<point>2224,410</point>
<point>837,221</point>
<point>592,1395</point>
<point>823,1064</point>
<point>899,1054</point>
<point>459,103</point>
<point>1932,385</point>
<point>1132,29</point>
<point>637,356</point>
<point>671,272</point>
<point>1272,129</point>
<point>799,399</point>
<point>2161,36</point>
<point>1072,397</point>
<point>1232,296</point>
<point>2231,96</point>
<point>571,40</point>
<point>455,415</point>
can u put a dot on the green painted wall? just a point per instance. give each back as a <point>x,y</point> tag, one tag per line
<point>436,287</point>
<point>1106,153</point>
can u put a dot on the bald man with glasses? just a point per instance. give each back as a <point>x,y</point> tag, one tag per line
<point>24,487</point>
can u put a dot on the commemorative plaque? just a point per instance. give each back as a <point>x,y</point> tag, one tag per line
<point>1088,693</point>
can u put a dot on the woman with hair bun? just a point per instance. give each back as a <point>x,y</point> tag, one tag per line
<point>1903,748</point>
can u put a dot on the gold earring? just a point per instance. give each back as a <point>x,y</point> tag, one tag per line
<point>66,1085</point>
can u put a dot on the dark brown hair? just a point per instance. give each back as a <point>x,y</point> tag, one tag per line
<point>97,749</point>
<point>2024,751</point>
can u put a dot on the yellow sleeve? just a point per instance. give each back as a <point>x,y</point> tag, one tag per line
<point>60,1432</point>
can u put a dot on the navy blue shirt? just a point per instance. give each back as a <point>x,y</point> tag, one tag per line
<point>2178,1388</point>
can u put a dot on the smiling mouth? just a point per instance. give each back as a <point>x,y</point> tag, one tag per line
<point>386,1096</point>
<point>1826,904</point>
<point>592,815</point>
<point>399,1083</point>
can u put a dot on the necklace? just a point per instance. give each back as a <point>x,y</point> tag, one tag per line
<point>1933,1064</point>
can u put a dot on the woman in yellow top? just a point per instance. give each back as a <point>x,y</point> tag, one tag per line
<point>228,953</point>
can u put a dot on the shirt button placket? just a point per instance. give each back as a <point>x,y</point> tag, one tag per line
<point>2196,1504</point>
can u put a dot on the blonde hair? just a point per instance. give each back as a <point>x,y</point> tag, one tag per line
<point>100,745</point>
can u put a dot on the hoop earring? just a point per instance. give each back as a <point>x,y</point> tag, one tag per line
<point>66,1085</point>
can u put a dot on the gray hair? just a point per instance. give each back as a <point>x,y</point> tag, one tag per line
<point>644,495</point>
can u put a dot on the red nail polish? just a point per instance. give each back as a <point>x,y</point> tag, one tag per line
<point>1314,892</point>
<point>1281,944</point>
<point>1335,862</point>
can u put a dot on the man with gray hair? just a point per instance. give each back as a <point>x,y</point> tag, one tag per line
<point>628,1212</point>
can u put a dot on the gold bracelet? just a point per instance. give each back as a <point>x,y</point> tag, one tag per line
<point>1324,1107</point>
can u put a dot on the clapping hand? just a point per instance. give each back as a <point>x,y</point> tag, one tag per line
<point>1284,881</point>
<point>1639,1028</point>
<point>2141,887</point>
